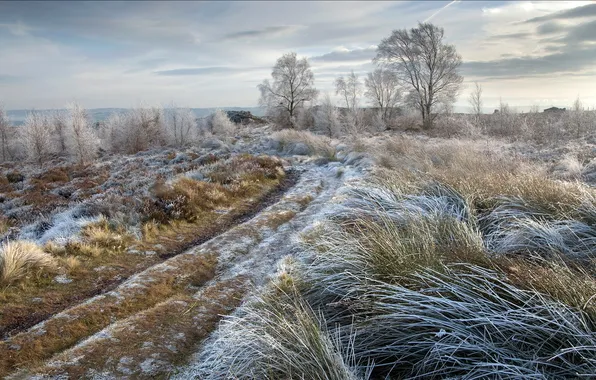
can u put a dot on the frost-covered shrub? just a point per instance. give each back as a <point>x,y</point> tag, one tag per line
<point>327,118</point>
<point>222,125</point>
<point>7,137</point>
<point>36,137</point>
<point>181,126</point>
<point>135,130</point>
<point>83,142</point>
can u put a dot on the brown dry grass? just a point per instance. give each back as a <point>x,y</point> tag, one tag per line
<point>20,259</point>
<point>170,331</point>
<point>90,317</point>
<point>478,173</point>
<point>319,145</point>
<point>103,246</point>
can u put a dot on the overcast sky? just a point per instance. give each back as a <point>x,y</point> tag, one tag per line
<point>214,54</point>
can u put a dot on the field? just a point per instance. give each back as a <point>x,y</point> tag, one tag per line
<point>288,254</point>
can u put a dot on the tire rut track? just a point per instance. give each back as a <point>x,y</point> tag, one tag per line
<point>232,264</point>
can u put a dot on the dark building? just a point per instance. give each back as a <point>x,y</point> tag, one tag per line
<point>554,110</point>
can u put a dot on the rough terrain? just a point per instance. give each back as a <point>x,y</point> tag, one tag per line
<point>194,289</point>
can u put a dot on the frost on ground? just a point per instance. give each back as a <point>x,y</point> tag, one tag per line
<point>161,312</point>
<point>247,255</point>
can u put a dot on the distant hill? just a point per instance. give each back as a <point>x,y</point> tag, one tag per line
<point>17,117</point>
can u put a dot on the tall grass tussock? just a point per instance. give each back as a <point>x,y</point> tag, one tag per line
<point>20,258</point>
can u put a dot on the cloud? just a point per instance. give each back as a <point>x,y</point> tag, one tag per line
<point>510,36</point>
<point>582,32</point>
<point>550,27</point>
<point>192,71</point>
<point>17,29</point>
<point>567,59</point>
<point>573,13</point>
<point>346,55</point>
<point>268,32</point>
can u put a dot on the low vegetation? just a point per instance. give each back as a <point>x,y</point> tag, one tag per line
<point>448,262</point>
<point>38,280</point>
<point>19,259</point>
<point>304,142</point>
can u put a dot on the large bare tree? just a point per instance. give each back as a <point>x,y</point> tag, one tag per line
<point>349,89</point>
<point>383,90</point>
<point>292,86</point>
<point>424,62</point>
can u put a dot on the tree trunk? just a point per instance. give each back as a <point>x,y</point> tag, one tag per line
<point>427,121</point>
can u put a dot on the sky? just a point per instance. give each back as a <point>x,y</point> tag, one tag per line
<point>214,54</point>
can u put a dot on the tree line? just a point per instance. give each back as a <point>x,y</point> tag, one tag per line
<point>415,68</point>
<point>70,134</point>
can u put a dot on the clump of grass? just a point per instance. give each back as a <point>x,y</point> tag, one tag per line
<point>103,235</point>
<point>568,283</point>
<point>15,176</point>
<point>467,321</point>
<point>59,174</point>
<point>227,181</point>
<point>276,336</point>
<point>5,225</point>
<point>21,258</point>
<point>71,263</point>
<point>318,145</point>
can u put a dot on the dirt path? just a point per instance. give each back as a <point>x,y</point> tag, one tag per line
<point>192,291</point>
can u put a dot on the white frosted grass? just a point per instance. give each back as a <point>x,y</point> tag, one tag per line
<point>468,321</point>
<point>277,335</point>
<point>435,200</point>
<point>517,226</point>
<point>569,238</point>
<point>61,227</point>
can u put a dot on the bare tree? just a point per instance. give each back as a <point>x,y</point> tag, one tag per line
<point>145,129</point>
<point>181,123</point>
<point>6,134</point>
<point>327,117</point>
<point>59,121</point>
<point>475,101</point>
<point>577,116</point>
<point>37,138</point>
<point>292,86</point>
<point>426,64</point>
<point>349,89</point>
<point>383,90</point>
<point>85,142</point>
